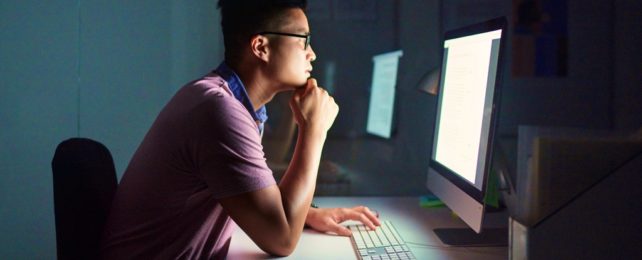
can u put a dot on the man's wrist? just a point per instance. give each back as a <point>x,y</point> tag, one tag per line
<point>314,133</point>
<point>312,206</point>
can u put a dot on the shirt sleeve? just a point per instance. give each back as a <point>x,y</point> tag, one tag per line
<point>229,151</point>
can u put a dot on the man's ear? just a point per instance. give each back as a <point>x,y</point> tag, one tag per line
<point>259,47</point>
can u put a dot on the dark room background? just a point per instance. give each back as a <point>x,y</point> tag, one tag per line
<point>104,70</point>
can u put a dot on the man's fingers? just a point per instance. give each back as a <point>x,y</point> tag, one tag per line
<point>361,217</point>
<point>373,216</point>
<point>304,89</point>
<point>339,229</point>
<point>312,84</point>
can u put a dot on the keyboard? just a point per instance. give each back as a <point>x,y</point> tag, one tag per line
<point>382,244</point>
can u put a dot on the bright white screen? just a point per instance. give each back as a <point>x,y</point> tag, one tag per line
<point>467,82</point>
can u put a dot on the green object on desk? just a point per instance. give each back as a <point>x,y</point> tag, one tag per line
<point>492,193</point>
<point>430,201</point>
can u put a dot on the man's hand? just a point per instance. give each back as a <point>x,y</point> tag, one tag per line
<point>330,219</point>
<point>313,108</point>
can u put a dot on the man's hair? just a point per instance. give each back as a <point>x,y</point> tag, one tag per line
<point>242,19</point>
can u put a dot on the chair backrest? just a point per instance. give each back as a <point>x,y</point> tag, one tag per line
<point>84,180</point>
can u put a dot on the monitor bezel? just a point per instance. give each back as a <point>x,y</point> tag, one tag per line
<point>458,181</point>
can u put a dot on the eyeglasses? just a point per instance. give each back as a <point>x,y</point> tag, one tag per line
<point>305,36</point>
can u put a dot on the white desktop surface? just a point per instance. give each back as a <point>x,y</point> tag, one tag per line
<point>413,223</point>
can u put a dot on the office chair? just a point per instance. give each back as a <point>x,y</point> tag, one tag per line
<point>84,180</point>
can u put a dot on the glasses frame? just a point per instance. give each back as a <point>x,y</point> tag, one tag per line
<point>305,36</point>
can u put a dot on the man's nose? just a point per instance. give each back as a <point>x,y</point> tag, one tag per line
<point>313,56</point>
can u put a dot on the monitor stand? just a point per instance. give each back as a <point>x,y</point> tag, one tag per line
<point>466,237</point>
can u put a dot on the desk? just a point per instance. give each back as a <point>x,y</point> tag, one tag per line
<point>415,225</point>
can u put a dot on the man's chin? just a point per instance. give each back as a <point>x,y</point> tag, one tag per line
<point>301,84</point>
<point>292,87</point>
<point>295,84</point>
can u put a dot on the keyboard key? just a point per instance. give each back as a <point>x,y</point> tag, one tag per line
<point>382,237</point>
<point>396,235</point>
<point>375,239</point>
<point>410,255</point>
<point>389,235</point>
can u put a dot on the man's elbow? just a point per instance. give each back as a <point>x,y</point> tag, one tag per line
<point>280,248</point>
<point>281,252</point>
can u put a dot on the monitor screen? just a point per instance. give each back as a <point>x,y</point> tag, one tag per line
<point>468,97</point>
<point>466,104</point>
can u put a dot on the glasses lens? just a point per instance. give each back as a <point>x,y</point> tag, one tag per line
<point>307,41</point>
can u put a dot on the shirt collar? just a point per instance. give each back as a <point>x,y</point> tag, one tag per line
<point>240,93</point>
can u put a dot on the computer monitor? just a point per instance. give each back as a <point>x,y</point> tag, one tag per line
<point>468,101</point>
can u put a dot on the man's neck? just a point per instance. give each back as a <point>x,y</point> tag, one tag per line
<point>256,84</point>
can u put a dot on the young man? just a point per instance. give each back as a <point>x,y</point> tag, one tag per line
<point>201,164</point>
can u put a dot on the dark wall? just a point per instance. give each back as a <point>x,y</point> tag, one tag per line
<point>600,90</point>
<point>627,85</point>
<point>97,69</point>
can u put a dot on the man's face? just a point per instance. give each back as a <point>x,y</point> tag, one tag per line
<point>290,61</point>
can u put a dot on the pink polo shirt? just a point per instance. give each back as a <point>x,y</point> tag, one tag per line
<point>203,146</point>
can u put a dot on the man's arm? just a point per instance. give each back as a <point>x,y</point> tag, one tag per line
<point>273,217</point>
